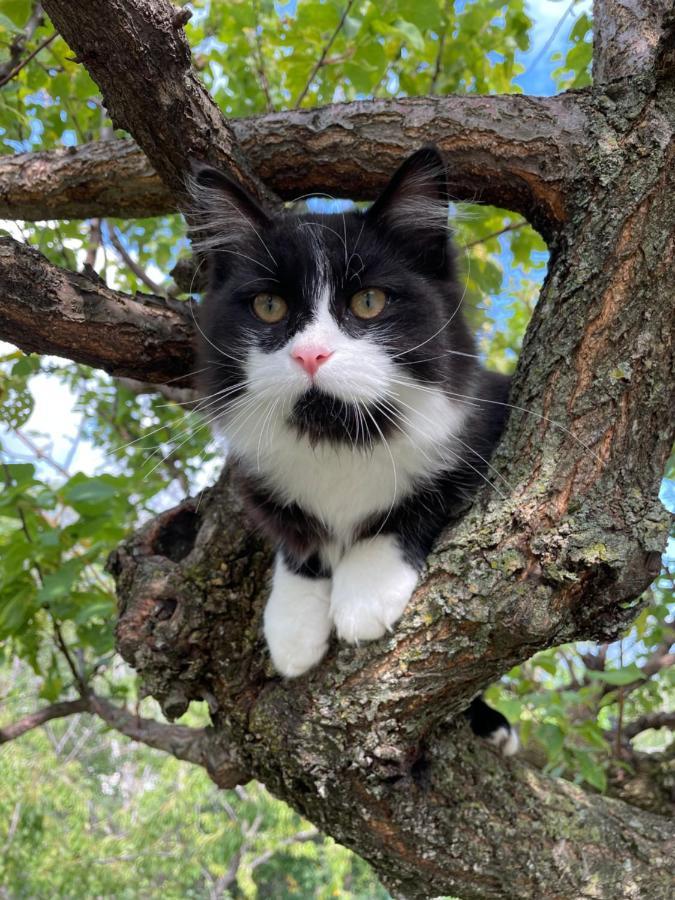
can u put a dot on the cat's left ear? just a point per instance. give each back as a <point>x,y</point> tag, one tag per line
<point>221,212</point>
<point>414,206</point>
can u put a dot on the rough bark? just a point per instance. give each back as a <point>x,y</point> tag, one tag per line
<point>368,745</point>
<point>47,309</point>
<point>102,179</point>
<point>172,117</point>
<point>512,151</point>
<point>629,35</point>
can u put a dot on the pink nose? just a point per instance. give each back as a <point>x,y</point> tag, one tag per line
<point>310,358</point>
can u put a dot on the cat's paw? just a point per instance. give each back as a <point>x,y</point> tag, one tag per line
<point>297,622</point>
<point>372,585</point>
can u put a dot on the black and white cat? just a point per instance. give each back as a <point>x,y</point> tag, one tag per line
<point>338,365</point>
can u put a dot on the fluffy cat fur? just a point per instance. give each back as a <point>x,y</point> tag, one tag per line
<point>355,437</point>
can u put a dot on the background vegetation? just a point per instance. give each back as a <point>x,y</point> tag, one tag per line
<point>84,457</point>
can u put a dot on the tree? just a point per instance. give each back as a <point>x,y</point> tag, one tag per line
<point>370,746</point>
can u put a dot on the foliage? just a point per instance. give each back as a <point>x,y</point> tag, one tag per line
<point>58,523</point>
<point>142,825</point>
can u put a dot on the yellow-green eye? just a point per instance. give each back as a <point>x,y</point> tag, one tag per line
<point>368,304</point>
<point>269,307</point>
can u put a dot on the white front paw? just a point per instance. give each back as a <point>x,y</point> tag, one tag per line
<point>371,588</point>
<point>297,621</point>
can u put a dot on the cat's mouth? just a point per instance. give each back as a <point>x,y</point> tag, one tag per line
<point>322,417</point>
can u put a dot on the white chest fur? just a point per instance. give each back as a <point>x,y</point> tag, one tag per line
<point>339,485</point>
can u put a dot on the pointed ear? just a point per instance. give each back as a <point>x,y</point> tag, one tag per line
<point>414,206</point>
<point>221,212</point>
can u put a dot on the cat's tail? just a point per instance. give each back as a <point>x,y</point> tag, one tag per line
<point>487,723</point>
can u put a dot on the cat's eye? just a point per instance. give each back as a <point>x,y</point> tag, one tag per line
<point>269,308</point>
<point>368,304</point>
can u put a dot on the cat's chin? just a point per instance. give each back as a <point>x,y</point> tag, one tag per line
<point>319,416</point>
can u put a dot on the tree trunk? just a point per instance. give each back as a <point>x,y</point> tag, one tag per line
<point>369,746</point>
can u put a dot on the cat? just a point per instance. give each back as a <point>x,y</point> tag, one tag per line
<point>338,365</point>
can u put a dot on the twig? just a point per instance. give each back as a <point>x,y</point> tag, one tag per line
<point>94,243</point>
<point>80,682</point>
<point>301,837</point>
<point>441,47</point>
<point>17,46</point>
<point>34,720</point>
<point>40,453</point>
<point>326,50</point>
<point>260,60</point>
<point>138,271</point>
<point>514,226</point>
<point>547,43</point>
<point>13,825</point>
<point>24,62</point>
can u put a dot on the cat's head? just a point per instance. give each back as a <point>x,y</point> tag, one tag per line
<point>327,321</point>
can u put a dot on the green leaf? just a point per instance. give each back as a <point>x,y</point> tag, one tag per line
<point>18,603</point>
<point>52,684</point>
<point>94,604</point>
<point>18,11</point>
<point>619,676</point>
<point>581,27</point>
<point>547,664</point>
<point>552,738</point>
<point>87,493</point>
<point>411,33</point>
<point>57,587</point>
<point>6,22</point>
<point>590,769</point>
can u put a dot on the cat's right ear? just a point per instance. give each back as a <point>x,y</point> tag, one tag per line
<point>414,207</point>
<point>221,212</point>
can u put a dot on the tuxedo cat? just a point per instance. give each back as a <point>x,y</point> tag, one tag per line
<point>338,365</point>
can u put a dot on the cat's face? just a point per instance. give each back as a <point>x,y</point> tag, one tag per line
<point>330,323</point>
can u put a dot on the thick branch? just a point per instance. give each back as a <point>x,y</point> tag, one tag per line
<point>651,720</point>
<point>106,178</point>
<point>628,35</point>
<point>195,745</point>
<point>46,309</point>
<point>158,98</point>
<point>521,153</point>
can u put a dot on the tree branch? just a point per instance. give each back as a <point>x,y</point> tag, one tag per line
<point>138,271</point>
<point>173,118</point>
<point>34,720</point>
<point>364,745</point>
<point>196,745</point>
<point>651,720</point>
<point>324,53</point>
<point>627,36</point>
<point>24,62</point>
<point>46,309</point>
<point>512,151</point>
